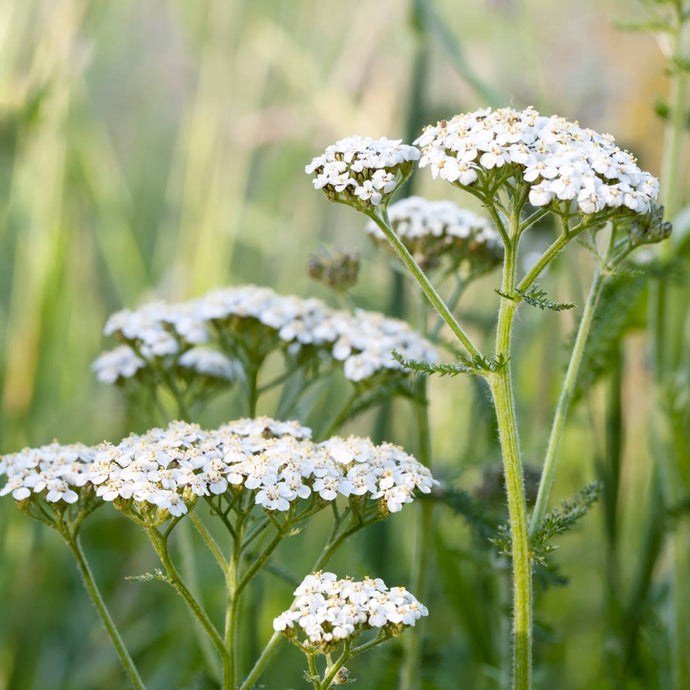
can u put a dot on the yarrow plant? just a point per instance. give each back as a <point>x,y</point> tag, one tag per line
<point>328,615</point>
<point>524,166</point>
<point>260,479</point>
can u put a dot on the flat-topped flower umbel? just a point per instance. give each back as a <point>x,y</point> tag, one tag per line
<point>558,160</point>
<point>361,171</point>
<point>328,610</point>
<point>163,472</point>
<point>187,336</point>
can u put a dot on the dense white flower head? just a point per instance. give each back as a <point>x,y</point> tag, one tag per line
<point>559,160</point>
<point>362,171</point>
<point>169,469</point>
<point>437,230</point>
<point>53,471</point>
<point>327,610</point>
<point>164,333</point>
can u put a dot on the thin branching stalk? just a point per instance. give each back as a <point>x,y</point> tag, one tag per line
<point>452,303</point>
<point>381,219</point>
<point>191,577</point>
<point>160,544</point>
<point>500,383</point>
<point>566,396</point>
<point>95,594</point>
<point>332,669</point>
<point>335,540</point>
<point>208,540</point>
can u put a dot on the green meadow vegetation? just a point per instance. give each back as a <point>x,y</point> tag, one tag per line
<point>155,152</point>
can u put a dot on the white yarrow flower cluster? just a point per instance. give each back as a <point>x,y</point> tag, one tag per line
<point>559,160</point>
<point>328,610</point>
<point>171,468</point>
<point>361,170</point>
<point>170,333</point>
<point>436,230</point>
<point>54,471</point>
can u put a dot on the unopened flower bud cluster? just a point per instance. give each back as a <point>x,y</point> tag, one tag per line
<point>182,334</point>
<point>434,231</point>
<point>559,160</point>
<point>328,610</point>
<point>339,270</point>
<point>362,171</point>
<point>171,468</point>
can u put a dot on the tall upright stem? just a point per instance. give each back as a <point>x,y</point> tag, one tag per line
<point>501,386</point>
<point>665,333</point>
<point>103,612</point>
<point>564,401</point>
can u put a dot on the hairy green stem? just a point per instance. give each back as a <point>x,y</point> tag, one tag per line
<point>452,303</point>
<point>501,386</point>
<point>566,396</point>
<point>95,594</point>
<point>313,672</point>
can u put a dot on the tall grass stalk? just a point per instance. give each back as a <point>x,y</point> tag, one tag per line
<point>670,447</point>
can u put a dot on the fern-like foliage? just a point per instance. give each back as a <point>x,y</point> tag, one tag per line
<point>555,522</point>
<point>561,520</point>
<point>464,365</point>
<point>503,541</point>
<point>536,296</point>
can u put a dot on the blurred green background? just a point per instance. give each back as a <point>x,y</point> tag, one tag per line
<point>156,149</point>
